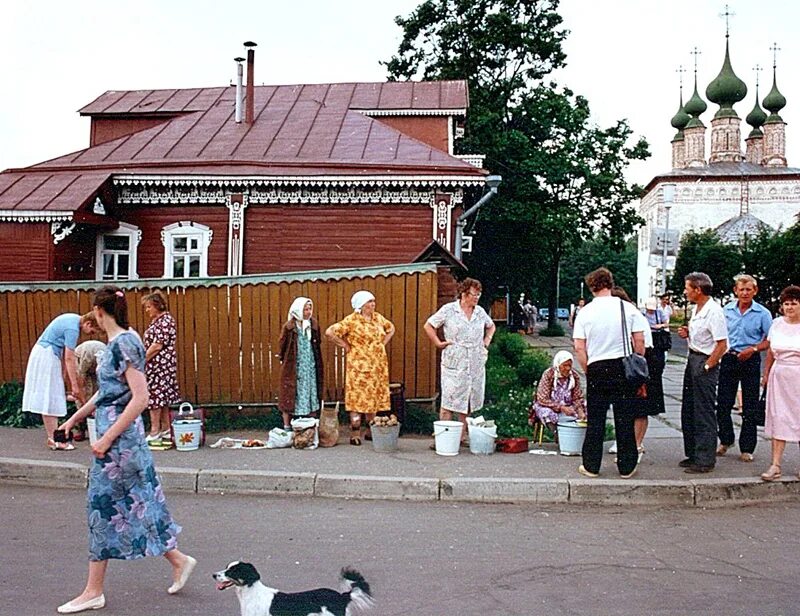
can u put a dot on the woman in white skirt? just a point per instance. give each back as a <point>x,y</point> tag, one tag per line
<point>44,381</point>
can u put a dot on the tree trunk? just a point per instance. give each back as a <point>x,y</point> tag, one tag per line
<point>552,295</point>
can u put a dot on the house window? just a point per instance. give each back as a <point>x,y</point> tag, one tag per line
<point>186,250</point>
<point>116,253</point>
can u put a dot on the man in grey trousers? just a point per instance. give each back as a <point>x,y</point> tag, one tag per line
<point>708,340</point>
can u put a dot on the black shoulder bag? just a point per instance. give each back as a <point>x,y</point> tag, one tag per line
<point>636,371</point>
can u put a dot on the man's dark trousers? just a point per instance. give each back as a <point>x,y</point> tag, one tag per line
<point>606,385</point>
<point>698,410</point>
<point>731,373</point>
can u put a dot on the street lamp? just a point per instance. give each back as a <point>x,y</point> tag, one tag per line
<point>668,195</point>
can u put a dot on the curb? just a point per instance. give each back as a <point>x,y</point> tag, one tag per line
<point>715,492</point>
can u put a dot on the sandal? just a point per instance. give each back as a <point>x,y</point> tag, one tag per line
<point>773,473</point>
<point>354,440</point>
<point>53,446</point>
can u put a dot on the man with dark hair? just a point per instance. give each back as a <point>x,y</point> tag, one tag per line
<point>707,334</point>
<point>599,347</point>
<point>748,325</point>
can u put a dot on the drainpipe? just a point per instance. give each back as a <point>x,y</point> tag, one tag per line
<point>492,182</point>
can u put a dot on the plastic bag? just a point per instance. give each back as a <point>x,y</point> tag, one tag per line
<point>279,438</point>
<point>329,426</point>
<point>306,435</point>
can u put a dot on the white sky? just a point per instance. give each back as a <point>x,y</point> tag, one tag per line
<point>622,54</point>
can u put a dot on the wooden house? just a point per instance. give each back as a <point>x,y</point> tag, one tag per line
<point>173,186</point>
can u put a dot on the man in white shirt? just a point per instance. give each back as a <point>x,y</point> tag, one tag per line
<point>707,333</point>
<point>600,346</point>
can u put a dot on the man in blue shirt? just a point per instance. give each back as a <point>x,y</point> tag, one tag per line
<point>748,326</point>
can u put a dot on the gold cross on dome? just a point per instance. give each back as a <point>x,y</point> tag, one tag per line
<point>680,70</point>
<point>695,52</point>
<point>757,68</point>
<point>774,49</point>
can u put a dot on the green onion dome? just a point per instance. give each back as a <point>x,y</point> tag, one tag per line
<point>774,101</point>
<point>695,106</point>
<point>726,89</point>
<point>681,118</point>
<point>756,118</point>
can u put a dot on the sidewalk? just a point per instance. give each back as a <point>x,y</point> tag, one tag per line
<point>415,472</point>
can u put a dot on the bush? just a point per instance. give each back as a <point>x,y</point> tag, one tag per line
<point>552,332</point>
<point>530,368</point>
<point>419,419</point>
<point>11,414</point>
<point>500,379</point>
<point>509,347</point>
<point>510,413</point>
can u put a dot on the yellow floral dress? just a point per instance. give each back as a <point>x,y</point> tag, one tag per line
<point>367,374</point>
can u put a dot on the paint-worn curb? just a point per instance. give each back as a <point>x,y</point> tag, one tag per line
<point>255,482</point>
<point>711,492</point>
<point>499,490</point>
<point>44,473</point>
<point>373,487</point>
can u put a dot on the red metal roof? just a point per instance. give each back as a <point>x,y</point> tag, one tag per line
<point>379,96</point>
<point>302,130</point>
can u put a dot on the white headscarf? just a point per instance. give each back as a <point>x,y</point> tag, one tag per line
<point>360,298</point>
<point>296,313</point>
<point>559,359</point>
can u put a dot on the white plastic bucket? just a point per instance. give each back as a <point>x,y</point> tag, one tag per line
<point>187,434</point>
<point>91,428</point>
<point>481,440</point>
<point>384,438</point>
<point>570,438</point>
<point>447,435</point>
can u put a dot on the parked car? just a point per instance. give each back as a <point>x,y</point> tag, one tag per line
<point>561,313</point>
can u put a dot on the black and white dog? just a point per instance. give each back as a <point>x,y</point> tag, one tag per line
<point>256,599</point>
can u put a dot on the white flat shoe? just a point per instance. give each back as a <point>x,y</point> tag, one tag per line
<point>185,573</point>
<point>92,604</point>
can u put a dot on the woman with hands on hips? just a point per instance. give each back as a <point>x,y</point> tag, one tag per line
<point>364,335</point>
<point>127,513</point>
<point>468,332</point>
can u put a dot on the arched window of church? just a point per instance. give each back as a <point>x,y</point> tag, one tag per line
<point>723,194</point>
<point>773,192</point>
<point>686,193</point>
<point>698,194</point>
<point>710,193</point>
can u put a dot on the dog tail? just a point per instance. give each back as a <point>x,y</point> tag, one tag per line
<point>358,587</point>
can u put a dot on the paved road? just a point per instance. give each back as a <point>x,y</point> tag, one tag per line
<point>423,559</point>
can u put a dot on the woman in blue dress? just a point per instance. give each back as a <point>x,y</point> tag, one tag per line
<point>128,516</point>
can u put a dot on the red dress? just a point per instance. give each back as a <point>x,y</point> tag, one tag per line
<point>162,368</point>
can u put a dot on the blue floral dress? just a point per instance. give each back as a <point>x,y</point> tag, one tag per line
<point>306,400</point>
<point>128,516</point>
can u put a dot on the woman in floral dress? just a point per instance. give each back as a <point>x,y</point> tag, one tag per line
<point>161,364</point>
<point>301,363</point>
<point>468,331</point>
<point>364,335</point>
<point>127,512</point>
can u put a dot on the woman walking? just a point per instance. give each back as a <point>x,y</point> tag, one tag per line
<point>161,364</point>
<point>781,376</point>
<point>127,513</point>
<point>301,363</point>
<point>364,335</point>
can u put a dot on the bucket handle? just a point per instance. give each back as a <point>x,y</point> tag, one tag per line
<point>446,429</point>
<point>184,405</point>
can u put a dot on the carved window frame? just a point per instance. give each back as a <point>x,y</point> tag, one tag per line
<point>198,238</point>
<point>134,235</point>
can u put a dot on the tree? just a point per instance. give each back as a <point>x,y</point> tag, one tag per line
<point>590,255</point>
<point>773,258</point>
<point>704,251</point>
<point>563,176</point>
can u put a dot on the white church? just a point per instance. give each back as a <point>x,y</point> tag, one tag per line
<point>735,193</point>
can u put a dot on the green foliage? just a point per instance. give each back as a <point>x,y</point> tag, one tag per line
<point>11,414</point>
<point>563,177</point>
<point>500,378</point>
<point>704,252</point>
<point>594,253</point>
<point>419,419</point>
<point>552,331</point>
<point>510,413</point>
<point>531,366</point>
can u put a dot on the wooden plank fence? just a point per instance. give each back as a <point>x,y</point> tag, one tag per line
<point>228,329</point>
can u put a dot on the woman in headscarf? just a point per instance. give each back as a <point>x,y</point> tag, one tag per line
<point>301,363</point>
<point>559,394</point>
<point>364,335</point>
